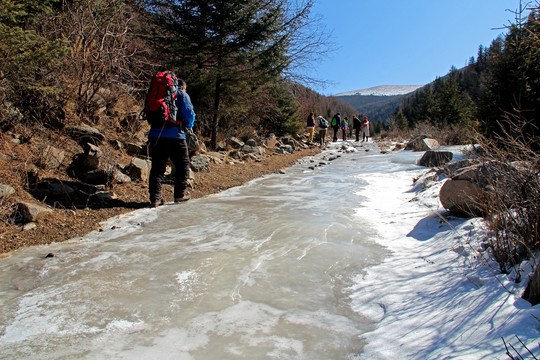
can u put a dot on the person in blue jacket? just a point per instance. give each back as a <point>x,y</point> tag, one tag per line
<point>169,141</point>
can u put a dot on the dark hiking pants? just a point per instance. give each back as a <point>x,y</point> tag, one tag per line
<point>336,129</point>
<point>161,149</point>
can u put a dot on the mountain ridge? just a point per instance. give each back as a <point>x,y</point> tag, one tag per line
<point>383,90</point>
<point>378,102</point>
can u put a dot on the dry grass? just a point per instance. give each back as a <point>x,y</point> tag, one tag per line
<point>514,200</point>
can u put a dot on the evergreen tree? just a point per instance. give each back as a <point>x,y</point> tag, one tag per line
<point>229,49</point>
<point>22,49</point>
<point>513,84</point>
<point>281,116</point>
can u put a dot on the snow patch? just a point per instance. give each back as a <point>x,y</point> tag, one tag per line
<point>383,90</point>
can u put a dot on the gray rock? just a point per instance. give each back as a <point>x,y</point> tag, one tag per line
<point>236,143</point>
<point>451,168</point>
<point>92,157</point>
<point>217,157</point>
<point>120,178</point>
<point>200,163</point>
<point>290,141</point>
<point>422,143</point>
<point>31,211</point>
<point>435,158</point>
<point>60,190</point>
<point>6,190</point>
<point>249,149</point>
<point>52,157</point>
<point>287,148</point>
<point>85,134</point>
<point>135,149</point>
<point>97,176</point>
<point>192,142</point>
<point>139,169</point>
<point>105,196</point>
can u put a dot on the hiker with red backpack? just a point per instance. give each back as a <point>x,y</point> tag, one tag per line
<point>170,114</point>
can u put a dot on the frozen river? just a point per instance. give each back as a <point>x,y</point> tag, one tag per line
<point>261,271</point>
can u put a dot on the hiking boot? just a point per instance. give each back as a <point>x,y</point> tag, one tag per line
<point>183,198</point>
<point>155,204</point>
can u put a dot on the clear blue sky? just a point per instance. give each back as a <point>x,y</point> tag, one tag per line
<point>404,42</point>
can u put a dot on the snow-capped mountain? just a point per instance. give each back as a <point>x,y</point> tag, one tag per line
<point>383,90</point>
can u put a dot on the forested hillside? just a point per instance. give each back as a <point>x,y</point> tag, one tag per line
<point>67,62</point>
<point>497,93</point>
<point>377,108</point>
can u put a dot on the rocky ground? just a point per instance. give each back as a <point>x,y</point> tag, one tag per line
<point>66,223</point>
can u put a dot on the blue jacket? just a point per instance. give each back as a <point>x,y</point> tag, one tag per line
<point>184,106</point>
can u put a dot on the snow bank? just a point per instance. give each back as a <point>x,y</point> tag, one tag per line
<point>439,295</point>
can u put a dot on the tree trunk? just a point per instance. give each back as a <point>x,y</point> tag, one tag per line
<point>217,98</point>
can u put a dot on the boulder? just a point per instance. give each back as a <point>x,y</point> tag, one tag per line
<point>52,157</point>
<point>236,143</point>
<point>5,191</point>
<point>116,144</point>
<point>120,177</point>
<point>61,190</point>
<point>85,134</point>
<point>435,158</point>
<point>250,149</point>
<point>104,196</point>
<point>471,184</point>
<point>200,163</point>
<point>463,198</point>
<point>91,159</point>
<point>422,143</point>
<point>286,149</point>
<point>32,212</point>
<point>135,149</point>
<point>194,145</point>
<point>139,169</point>
<point>217,157</point>
<point>289,141</point>
<point>451,169</point>
<point>96,176</point>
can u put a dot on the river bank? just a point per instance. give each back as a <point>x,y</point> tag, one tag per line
<point>65,224</point>
<point>346,255</point>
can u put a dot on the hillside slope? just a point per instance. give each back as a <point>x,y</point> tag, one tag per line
<point>379,102</point>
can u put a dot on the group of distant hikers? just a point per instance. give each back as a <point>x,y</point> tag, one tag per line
<point>169,112</point>
<point>337,124</point>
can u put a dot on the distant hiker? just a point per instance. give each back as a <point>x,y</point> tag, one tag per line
<point>323,125</point>
<point>310,125</point>
<point>357,126</point>
<point>365,129</point>
<point>336,125</point>
<point>345,127</point>
<point>168,140</point>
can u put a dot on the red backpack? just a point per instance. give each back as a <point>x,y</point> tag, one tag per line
<point>160,108</point>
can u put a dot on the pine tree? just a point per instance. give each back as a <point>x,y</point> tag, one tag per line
<point>229,49</point>
<point>513,84</point>
<point>23,50</point>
